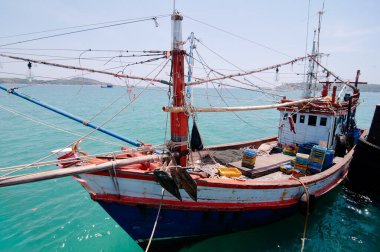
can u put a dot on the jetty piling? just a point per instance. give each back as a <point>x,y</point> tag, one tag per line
<point>374,132</point>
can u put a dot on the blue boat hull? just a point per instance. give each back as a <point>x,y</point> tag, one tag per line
<point>138,221</point>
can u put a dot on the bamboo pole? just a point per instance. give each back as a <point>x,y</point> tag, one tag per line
<point>244,108</point>
<point>28,178</point>
<point>72,117</point>
<point>117,75</point>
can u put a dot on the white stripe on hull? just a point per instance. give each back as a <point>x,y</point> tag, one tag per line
<point>150,189</point>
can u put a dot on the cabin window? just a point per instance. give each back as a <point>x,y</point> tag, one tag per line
<point>285,116</point>
<point>294,118</point>
<point>302,119</point>
<point>312,120</point>
<point>323,121</point>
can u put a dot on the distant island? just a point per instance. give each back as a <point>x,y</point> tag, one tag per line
<point>300,86</point>
<point>73,81</point>
<point>88,81</point>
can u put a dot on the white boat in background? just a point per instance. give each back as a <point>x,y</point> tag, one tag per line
<point>107,86</point>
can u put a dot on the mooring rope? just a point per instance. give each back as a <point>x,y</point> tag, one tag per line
<point>156,221</point>
<point>307,211</point>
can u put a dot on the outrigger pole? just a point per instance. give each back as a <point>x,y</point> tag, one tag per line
<point>231,109</point>
<point>72,117</point>
<point>76,170</point>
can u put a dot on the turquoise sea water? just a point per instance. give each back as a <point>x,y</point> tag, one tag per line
<point>58,215</point>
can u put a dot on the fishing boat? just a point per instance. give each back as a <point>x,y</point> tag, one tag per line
<point>187,190</point>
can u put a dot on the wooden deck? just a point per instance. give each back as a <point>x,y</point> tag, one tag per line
<point>264,165</point>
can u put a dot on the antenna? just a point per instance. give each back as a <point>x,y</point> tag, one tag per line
<point>173,6</point>
<point>320,13</point>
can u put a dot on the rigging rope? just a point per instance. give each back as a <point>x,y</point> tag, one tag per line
<point>224,101</point>
<point>229,85</point>
<point>121,96</point>
<point>141,62</point>
<point>80,26</point>
<point>250,84</point>
<point>30,118</point>
<point>307,35</point>
<point>169,92</point>
<point>123,108</point>
<point>88,58</point>
<point>334,75</point>
<point>233,97</point>
<point>248,72</point>
<point>81,50</point>
<point>78,31</point>
<point>104,123</point>
<point>240,37</point>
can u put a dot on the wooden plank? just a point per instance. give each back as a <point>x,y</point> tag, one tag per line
<point>264,165</point>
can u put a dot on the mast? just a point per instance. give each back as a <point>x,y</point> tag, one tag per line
<point>178,121</point>
<point>320,13</point>
<point>310,73</point>
<point>313,64</point>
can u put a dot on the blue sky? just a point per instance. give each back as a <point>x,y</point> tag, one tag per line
<point>350,34</point>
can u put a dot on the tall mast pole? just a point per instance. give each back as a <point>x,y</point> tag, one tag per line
<point>313,69</point>
<point>320,13</point>
<point>178,121</point>
<point>310,73</point>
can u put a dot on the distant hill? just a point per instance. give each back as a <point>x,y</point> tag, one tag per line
<point>370,88</point>
<point>300,86</point>
<point>73,81</point>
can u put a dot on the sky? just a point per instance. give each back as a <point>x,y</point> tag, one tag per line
<point>234,36</point>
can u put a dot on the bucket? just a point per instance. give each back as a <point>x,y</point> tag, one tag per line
<point>355,134</point>
<point>249,158</point>
<point>249,153</point>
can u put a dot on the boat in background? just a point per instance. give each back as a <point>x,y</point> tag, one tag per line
<point>107,86</point>
<point>186,190</point>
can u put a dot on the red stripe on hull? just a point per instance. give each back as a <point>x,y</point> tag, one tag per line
<point>196,206</point>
